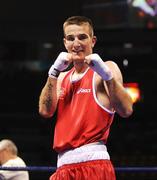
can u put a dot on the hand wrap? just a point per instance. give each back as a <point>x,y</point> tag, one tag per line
<point>60,64</point>
<point>97,64</point>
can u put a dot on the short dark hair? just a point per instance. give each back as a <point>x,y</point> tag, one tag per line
<point>79,20</point>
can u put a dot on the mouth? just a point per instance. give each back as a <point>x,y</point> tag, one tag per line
<point>77,52</point>
<point>78,56</point>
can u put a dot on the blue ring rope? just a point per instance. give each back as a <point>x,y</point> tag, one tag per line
<point>50,168</point>
<point>29,168</point>
<point>136,169</point>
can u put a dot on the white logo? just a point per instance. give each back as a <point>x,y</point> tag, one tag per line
<point>81,90</point>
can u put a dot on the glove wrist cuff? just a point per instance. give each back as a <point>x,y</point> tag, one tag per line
<point>54,73</point>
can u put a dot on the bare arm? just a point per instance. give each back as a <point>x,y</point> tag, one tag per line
<point>49,95</point>
<point>48,98</point>
<point>110,73</point>
<point>119,98</point>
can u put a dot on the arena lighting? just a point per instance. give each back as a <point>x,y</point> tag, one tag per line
<point>134,91</point>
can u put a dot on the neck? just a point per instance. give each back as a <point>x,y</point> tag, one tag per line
<point>80,67</point>
<point>9,157</point>
<point>78,72</point>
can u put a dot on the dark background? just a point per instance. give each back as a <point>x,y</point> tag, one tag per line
<point>31,38</point>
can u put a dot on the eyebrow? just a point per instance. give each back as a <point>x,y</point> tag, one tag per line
<point>77,35</point>
<point>83,34</point>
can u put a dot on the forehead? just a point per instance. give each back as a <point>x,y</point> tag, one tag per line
<point>74,29</point>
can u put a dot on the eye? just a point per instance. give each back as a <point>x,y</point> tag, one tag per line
<point>82,36</point>
<point>70,38</point>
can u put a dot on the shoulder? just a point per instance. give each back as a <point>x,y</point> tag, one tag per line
<point>60,79</point>
<point>112,64</point>
<point>15,162</point>
<point>115,70</point>
<point>20,161</point>
<point>62,75</point>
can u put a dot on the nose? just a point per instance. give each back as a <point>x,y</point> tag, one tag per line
<point>76,42</point>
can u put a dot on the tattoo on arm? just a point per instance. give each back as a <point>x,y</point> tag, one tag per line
<point>48,97</point>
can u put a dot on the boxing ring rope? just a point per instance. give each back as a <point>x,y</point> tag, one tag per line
<point>51,169</point>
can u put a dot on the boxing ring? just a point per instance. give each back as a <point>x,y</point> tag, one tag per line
<point>52,169</point>
<point>122,173</point>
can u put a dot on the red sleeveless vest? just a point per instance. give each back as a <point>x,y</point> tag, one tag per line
<point>80,117</point>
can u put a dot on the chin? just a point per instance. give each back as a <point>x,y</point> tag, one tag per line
<point>78,57</point>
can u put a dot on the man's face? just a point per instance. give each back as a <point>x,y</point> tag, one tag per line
<point>78,41</point>
<point>1,156</point>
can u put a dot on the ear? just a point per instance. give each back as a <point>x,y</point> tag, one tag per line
<point>94,40</point>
